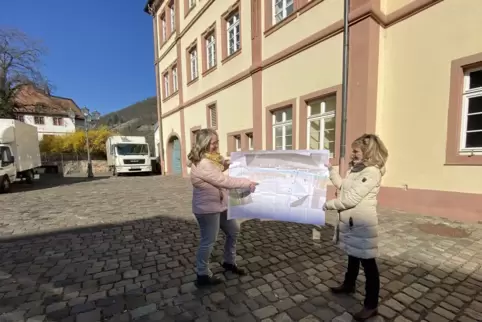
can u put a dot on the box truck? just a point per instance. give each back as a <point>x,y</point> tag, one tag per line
<point>19,152</point>
<point>128,154</point>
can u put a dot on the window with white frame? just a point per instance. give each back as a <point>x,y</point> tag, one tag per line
<point>172,12</point>
<point>321,124</point>
<point>174,79</point>
<point>166,84</point>
<point>471,136</point>
<point>250,140</point>
<point>210,50</point>
<point>233,33</point>
<point>40,120</point>
<point>282,129</point>
<point>164,28</point>
<point>192,3</point>
<point>237,141</point>
<point>193,63</point>
<point>282,9</point>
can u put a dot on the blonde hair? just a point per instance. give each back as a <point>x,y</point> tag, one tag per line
<point>202,141</point>
<point>374,151</point>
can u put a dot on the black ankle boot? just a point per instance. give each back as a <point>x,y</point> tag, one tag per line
<point>234,269</point>
<point>206,280</point>
<point>342,289</point>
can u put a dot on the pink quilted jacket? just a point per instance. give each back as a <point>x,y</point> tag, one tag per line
<point>209,183</point>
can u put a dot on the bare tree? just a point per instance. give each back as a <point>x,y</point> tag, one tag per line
<point>20,62</point>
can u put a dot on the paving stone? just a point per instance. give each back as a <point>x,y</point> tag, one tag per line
<point>143,310</point>
<point>265,312</point>
<point>91,316</point>
<point>137,254</point>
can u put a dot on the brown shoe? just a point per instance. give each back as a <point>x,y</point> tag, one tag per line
<point>342,289</point>
<point>365,314</point>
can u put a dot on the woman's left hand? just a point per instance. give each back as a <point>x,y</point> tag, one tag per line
<point>324,207</point>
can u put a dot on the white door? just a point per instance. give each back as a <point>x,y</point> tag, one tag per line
<point>7,163</point>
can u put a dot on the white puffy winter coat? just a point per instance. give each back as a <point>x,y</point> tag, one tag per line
<point>356,231</point>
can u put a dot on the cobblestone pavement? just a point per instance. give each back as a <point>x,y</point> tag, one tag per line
<point>122,249</point>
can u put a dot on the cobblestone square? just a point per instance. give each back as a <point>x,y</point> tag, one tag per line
<point>122,249</point>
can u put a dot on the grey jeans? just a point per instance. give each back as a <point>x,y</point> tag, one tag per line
<point>209,225</point>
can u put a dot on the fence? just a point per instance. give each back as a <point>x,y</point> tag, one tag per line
<point>71,163</point>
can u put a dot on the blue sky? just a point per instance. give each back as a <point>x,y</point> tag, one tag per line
<point>100,52</point>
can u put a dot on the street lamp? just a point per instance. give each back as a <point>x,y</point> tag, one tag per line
<point>89,120</point>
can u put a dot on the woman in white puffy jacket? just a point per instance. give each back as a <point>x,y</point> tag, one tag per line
<point>356,231</point>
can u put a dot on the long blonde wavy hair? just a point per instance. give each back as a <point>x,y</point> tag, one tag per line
<point>374,151</point>
<point>202,142</point>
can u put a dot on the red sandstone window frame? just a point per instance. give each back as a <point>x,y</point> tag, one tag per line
<point>270,110</point>
<point>303,116</point>
<point>211,31</point>
<point>453,155</point>
<point>187,8</point>
<point>189,49</point>
<point>232,137</point>
<point>165,93</point>
<point>174,82</point>
<point>232,10</point>
<point>171,6</point>
<point>210,107</point>
<point>300,7</point>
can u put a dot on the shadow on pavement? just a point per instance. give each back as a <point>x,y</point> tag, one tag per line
<point>144,270</point>
<point>52,180</point>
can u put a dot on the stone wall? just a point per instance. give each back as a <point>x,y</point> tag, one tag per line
<point>73,167</point>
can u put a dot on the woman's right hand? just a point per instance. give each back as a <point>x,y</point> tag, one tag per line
<point>328,165</point>
<point>252,186</point>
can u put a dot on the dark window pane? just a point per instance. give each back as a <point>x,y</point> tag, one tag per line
<point>473,140</point>
<point>475,104</point>
<point>474,122</point>
<point>476,79</point>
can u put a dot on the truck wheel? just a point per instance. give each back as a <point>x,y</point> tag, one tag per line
<point>29,176</point>
<point>5,184</point>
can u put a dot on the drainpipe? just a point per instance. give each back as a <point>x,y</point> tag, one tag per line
<point>158,95</point>
<point>344,102</point>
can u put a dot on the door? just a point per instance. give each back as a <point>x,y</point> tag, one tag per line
<point>176,157</point>
<point>7,163</point>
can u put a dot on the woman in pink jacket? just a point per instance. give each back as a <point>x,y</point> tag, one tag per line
<point>209,204</point>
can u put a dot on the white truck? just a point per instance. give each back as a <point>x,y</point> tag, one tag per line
<point>128,154</point>
<point>19,152</point>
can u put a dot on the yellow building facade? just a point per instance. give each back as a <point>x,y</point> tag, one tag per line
<point>268,75</point>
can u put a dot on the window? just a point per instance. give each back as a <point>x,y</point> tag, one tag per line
<point>250,140</point>
<point>213,116</point>
<point>58,121</point>
<point>321,124</point>
<point>237,142</point>
<point>166,84</point>
<point>20,118</point>
<point>193,63</point>
<point>172,12</point>
<point>174,79</point>
<point>471,136</point>
<point>282,129</point>
<point>5,155</point>
<point>211,50</point>
<point>282,9</point>
<point>39,120</point>
<point>164,28</point>
<point>233,33</point>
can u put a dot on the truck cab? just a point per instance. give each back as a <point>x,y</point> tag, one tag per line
<point>128,155</point>
<point>8,170</point>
